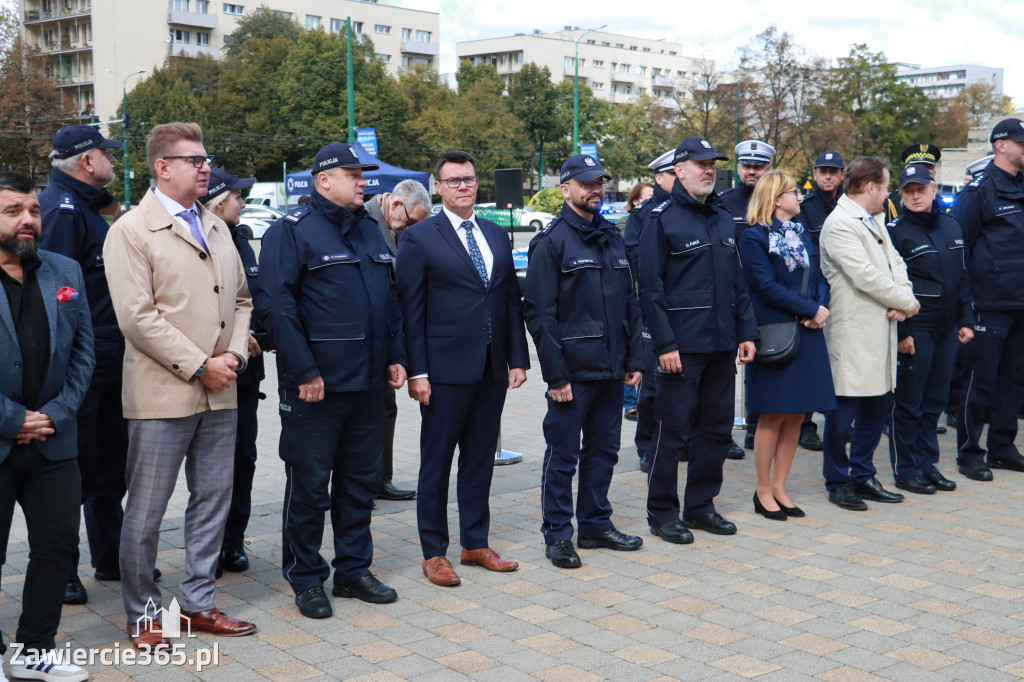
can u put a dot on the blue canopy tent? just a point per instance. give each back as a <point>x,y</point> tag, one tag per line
<point>379,181</point>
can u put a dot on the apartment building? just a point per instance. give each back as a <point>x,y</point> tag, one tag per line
<point>93,45</point>
<point>617,68</point>
<point>948,81</point>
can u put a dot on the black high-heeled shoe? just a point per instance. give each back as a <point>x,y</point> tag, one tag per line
<point>795,512</point>
<point>777,515</point>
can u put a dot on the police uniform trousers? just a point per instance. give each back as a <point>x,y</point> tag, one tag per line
<point>867,415</point>
<point>331,451</point>
<point>156,450</point>
<point>956,382</point>
<point>49,494</point>
<point>245,466</point>
<point>467,416</point>
<point>646,422</point>
<point>922,384</point>
<point>390,418</point>
<point>594,413</point>
<point>993,388</point>
<point>694,410</point>
<point>102,458</point>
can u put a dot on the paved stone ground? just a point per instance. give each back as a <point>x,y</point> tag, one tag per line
<point>930,589</point>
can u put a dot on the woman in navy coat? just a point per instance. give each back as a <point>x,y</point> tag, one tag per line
<point>776,252</point>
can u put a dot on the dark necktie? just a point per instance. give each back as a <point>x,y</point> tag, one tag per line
<point>474,251</point>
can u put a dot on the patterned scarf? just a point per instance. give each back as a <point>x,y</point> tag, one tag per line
<point>784,241</point>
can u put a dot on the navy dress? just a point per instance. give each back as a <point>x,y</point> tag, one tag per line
<point>805,384</point>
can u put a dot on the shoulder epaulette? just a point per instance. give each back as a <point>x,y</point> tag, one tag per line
<point>661,207</point>
<point>726,191</point>
<point>893,223</point>
<point>547,229</point>
<point>977,181</point>
<point>67,202</point>
<point>297,215</point>
<point>809,195</point>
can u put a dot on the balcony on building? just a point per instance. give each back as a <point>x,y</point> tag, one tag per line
<point>67,9</point>
<point>421,47</point>
<point>664,81</point>
<point>185,18</point>
<point>621,77</point>
<point>585,71</point>
<point>189,50</point>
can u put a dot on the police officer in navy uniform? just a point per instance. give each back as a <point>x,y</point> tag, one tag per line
<point>73,227</point>
<point>329,290</point>
<point>931,243</point>
<point>581,309</point>
<point>753,160</point>
<point>698,310</point>
<point>821,201</point>
<point>991,212</point>
<point>664,176</point>
<point>926,155</point>
<point>224,199</point>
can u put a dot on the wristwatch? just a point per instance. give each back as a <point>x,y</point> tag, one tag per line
<point>202,369</point>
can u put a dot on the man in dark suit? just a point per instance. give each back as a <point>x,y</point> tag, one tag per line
<point>47,345</point>
<point>467,345</point>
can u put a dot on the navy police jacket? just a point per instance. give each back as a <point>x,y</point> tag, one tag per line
<point>735,200</point>
<point>814,208</point>
<point>73,227</point>
<point>254,370</point>
<point>580,301</point>
<point>635,225</point>
<point>932,246</point>
<point>328,291</point>
<point>990,211</point>
<point>692,290</point>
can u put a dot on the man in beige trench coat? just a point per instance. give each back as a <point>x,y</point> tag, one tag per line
<point>870,294</point>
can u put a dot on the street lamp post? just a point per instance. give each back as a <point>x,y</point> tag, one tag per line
<point>124,127</point>
<point>576,97</point>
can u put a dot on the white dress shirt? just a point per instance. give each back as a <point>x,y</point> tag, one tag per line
<point>174,208</point>
<point>481,240</point>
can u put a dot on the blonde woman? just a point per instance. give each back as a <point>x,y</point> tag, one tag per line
<point>776,255</point>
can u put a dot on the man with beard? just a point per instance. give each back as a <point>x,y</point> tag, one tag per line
<point>698,311</point>
<point>581,309</point>
<point>48,361</point>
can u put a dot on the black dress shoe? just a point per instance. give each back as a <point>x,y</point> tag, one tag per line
<point>940,482</point>
<point>915,484</point>
<point>940,429</point>
<point>674,532</point>
<point>313,603</point>
<point>711,522</point>
<point>873,490</point>
<point>810,440</point>
<point>1013,463</point>
<point>645,463</point>
<point>735,452</point>
<point>795,512</point>
<point>389,491</point>
<point>234,559</point>
<point>368,589</point>
<point>846,498</point>
<point>610,539</point>
<point>776,515</point>
<point>748,440</point>
<point>978,471</point>
<point>74,591</point>
<point>563,554</point>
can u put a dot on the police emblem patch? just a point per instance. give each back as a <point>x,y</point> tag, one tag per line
<point>588,160</point>
<point>707,145</point>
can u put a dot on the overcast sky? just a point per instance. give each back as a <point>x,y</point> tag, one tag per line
<point>930,33</point>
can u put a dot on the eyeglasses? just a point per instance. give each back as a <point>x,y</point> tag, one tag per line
<point>593,185</point>
<point>455,182</point>
<point>408,219</point>
<point>196,160</point>
<point>795,192</point>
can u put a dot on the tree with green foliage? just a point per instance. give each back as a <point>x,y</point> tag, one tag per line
<point>549,200</point>
<point>531,99</point>
<point>264,23</point>
<point>637,134</point>
<point>430,127</point>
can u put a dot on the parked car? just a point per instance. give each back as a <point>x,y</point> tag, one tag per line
<point>261,213</point>
<point>532,220</point>
<point>253,228</point>
<point>520,259</point>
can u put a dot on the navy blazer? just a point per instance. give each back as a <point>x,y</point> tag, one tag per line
<point>446,306</point>
<point>71,361</point>
<point>774,289</point>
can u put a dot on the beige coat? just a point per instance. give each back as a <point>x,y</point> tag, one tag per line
<point>867,278</point>
<point>175,309</point>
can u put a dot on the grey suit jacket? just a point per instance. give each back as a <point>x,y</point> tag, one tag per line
<point>71,360</point>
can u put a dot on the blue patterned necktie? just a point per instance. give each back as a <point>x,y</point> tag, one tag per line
<point>193,224</point>
<point>474,251</point>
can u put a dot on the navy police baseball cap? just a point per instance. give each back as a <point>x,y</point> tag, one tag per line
<point>582,168</point>
<point>221,181</point>
<point>339,155</point>
<point>1008,129</point>
<point>697,149</point>
<point>829,160</point>
<point>73,140</point>
<point>916,172</point>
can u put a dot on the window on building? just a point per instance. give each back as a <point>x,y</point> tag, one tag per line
<point>598,63</point>
<point>232,9</point>
<point>501,60</point>
<point>423,36</point>
<point>386,58</point>
<point>179,5</point>
<point>406,34</point>
<point>202,38</point>
<point>597,86</point>
<point>623,68</point>
<point>591,42</point>
<point>679,74</point>
<point>405,62</point>
<point>283,15</point>
<point>641,70</point>
<point>312,22</point>
<point>647,49</point>
<point>615,65</point>
<point>381,28</point>
<point>605,43</point>
<point>337,25</point>
<point>203,6</point>
<point>424,61</point>
<point>625,89</point>
<point>615,88</point>
<point>619,45</point>
<point>672,52</point>
<point>357,27</point>
<point>640,91</point>
<point>519,58</point>
<point>655,71</point>
<point>633,47</point>
<point>569,63</point>
<point>179,36</point>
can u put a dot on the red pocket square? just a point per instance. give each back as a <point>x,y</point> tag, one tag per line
<point>67,294</point>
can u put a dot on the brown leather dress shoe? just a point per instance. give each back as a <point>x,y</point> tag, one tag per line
<point>217,623</point>
<point>440,572</point>
<point>489,559</point>
<point>151,639</point>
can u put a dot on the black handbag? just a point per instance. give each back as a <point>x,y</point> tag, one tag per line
<point>780,341</point>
